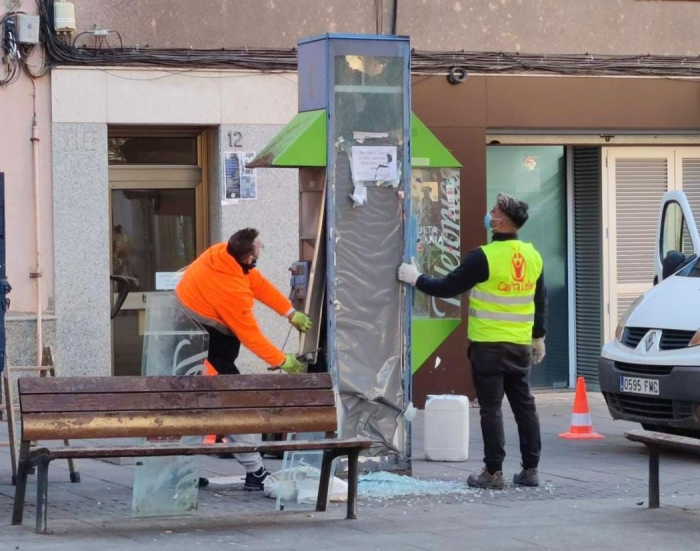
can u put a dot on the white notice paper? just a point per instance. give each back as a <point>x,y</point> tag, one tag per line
<point>240,182</point>
<point>374,163</point>
<point>359,196</point>
<point>167,281</point>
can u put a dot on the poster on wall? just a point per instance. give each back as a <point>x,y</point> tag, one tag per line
<point>240,183</point>
<point>436,205</point>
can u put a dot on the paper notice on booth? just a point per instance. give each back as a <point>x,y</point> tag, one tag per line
<point>360,137</point>
<point>374,163</point>
<point>359,196</point>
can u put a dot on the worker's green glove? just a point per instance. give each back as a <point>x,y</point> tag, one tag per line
<point>301,321</point>
<point>292,365</point>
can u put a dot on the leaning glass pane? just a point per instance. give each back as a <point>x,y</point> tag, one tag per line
<point>174,344</point>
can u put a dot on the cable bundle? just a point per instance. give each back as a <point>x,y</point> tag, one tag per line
<point>60,52</point>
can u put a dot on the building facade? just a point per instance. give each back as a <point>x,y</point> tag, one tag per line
<point>133,159</point>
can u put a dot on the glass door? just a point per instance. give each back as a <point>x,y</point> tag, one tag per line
<point>537,175</point>
<point>153,233</point>
<point>158,229</point>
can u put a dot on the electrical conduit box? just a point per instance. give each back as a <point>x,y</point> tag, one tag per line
<point>64,17</point>
<point>28,28</point>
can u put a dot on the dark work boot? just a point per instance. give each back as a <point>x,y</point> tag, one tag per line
<point>527,477</point>
<point>203,482</point>
<point>255,482</point>
<point>487,480</point>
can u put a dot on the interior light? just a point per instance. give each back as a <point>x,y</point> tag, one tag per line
<point>367,65</point>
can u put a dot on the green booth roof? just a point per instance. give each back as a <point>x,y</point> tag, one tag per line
<point>426,150</point>
<point>303,142</point>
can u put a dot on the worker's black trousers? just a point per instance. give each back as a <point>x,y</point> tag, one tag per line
<point>223,351</point>
<point>498,369</point>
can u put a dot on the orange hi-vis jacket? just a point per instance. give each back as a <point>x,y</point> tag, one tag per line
<point>216,289</point>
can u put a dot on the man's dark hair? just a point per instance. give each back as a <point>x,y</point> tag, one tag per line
<point>515,210</point>
<point>240,244</point>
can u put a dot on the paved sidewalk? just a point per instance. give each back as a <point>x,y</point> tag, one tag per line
<point>593,496</point>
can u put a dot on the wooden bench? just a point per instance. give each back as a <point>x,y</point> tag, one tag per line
<point>655,442</point>
<point>129,407</point>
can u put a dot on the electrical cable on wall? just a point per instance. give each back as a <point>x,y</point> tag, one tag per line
<point>15,54</point>
<point>60,50</point>
<point>11,49</point>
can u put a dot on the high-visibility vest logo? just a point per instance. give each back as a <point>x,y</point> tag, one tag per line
<point>518,267</point>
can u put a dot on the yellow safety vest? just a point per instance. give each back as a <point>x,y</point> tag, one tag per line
<point>502,309</point>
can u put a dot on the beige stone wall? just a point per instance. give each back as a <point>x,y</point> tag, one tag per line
<point>85,103</point>
<point>532,26</point>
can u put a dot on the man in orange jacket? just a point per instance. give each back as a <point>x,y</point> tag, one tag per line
<point>220,289</point>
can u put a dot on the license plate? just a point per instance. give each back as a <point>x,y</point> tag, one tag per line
<point>637,385</point>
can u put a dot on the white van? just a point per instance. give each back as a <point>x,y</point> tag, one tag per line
<point>650,372</point>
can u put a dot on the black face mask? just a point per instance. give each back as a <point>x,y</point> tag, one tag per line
<point>247,267</point>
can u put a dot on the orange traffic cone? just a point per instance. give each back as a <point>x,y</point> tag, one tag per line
<point>581,422</point>
<point>208,372</point>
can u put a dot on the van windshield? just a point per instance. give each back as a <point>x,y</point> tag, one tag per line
<point>690,270</point>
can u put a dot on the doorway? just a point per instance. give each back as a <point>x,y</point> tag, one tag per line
<point>158,209</point>
<point>634,181</point>
<point>537,175</point>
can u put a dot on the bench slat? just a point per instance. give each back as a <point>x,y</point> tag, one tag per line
<point>169,401</point>
<point>71,426</point>
<point>667,440</point>
<point>96,385</point>
<point>65,452</point>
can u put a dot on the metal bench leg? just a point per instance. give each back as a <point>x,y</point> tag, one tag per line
<point>42,495</point>
<point>352,483</point>
<point>74,475</point>
<point>325,481</point>
<point>9,412</point>
<point>654,453</point>
<point>23,470</point>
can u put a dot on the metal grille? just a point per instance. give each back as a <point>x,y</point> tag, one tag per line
<point>588,262</point>
<point>641,406</point>
<point>635,369</point>
<point>639,187</point>
<point>672,339</point>
<point>654,409</point>
<point>632,335</point>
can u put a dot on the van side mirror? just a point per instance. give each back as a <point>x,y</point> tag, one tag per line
<point>672,262</point>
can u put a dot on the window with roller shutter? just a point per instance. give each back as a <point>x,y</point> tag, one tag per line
<point>636,179</point>
<point>688,160</point>
<point>588,265</point>
<point>634,183</point>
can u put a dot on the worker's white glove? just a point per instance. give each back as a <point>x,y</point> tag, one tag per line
<point>538,350</point>
<point>408,273</point>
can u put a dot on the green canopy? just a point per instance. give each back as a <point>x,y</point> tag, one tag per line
<point>426,150</point>
<point>302,142</point>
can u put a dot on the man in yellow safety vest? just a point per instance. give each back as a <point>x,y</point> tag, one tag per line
<point>507,326</point>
